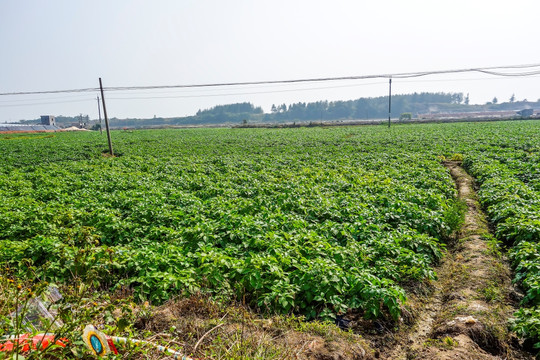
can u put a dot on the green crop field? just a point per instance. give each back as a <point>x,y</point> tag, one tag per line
<point>311,221</point>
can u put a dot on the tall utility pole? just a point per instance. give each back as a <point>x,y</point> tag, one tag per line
<point>106,118</point>
<point>389,100</point>
<point>99,113</point>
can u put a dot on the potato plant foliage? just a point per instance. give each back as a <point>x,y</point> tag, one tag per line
<point>314,221</point>
<point>508,173</point>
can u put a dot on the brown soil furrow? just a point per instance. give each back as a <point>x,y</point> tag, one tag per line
<point>466,317</point>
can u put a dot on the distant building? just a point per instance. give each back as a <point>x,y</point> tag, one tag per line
<point>48,120</point>
<point>525,112</point>
<point>48,124</point>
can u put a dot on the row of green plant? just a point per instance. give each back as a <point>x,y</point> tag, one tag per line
<point>311,221</point>
<point>509,192</point>
<point>315,221</point>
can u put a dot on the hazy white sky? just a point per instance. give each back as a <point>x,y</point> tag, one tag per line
<point>54,44</point>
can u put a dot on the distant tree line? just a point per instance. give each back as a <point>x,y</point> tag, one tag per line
<point>221,114</point>
<point>232,113</point>
<point>363,108</point>
<point>359,109</point>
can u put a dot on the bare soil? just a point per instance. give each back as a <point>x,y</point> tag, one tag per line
<point>208,331</point>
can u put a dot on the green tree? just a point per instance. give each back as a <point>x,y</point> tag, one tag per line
<point>457,98</point>
<point>405,116</point>
<point>467,99</point>
<point>513,98</point>
<point>495,100</point>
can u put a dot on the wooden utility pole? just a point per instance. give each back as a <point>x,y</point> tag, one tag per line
<point>99,114</point>
<point>389,100</point>
<point>106,118</point>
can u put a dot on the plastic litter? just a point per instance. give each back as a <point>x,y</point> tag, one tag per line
<point>99,343</point>
<point>27,342</point>
<point>39,314</point>
<point>102,344</point>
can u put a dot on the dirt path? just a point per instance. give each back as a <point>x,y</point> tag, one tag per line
<point>466,317</point>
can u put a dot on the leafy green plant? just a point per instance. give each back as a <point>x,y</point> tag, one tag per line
<point>527,324</point>
<point>312,221</point>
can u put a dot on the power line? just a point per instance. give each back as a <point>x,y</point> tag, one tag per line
<point>47,98</point>
<point>485,70</point>
<point>457,79</point>
<point>173,96</point>
<point>225,89</point>
<point>244,93</point>
<point>44,102</point>
<point>51,91</point>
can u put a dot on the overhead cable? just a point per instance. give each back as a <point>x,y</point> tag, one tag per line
<point>485,70</point>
